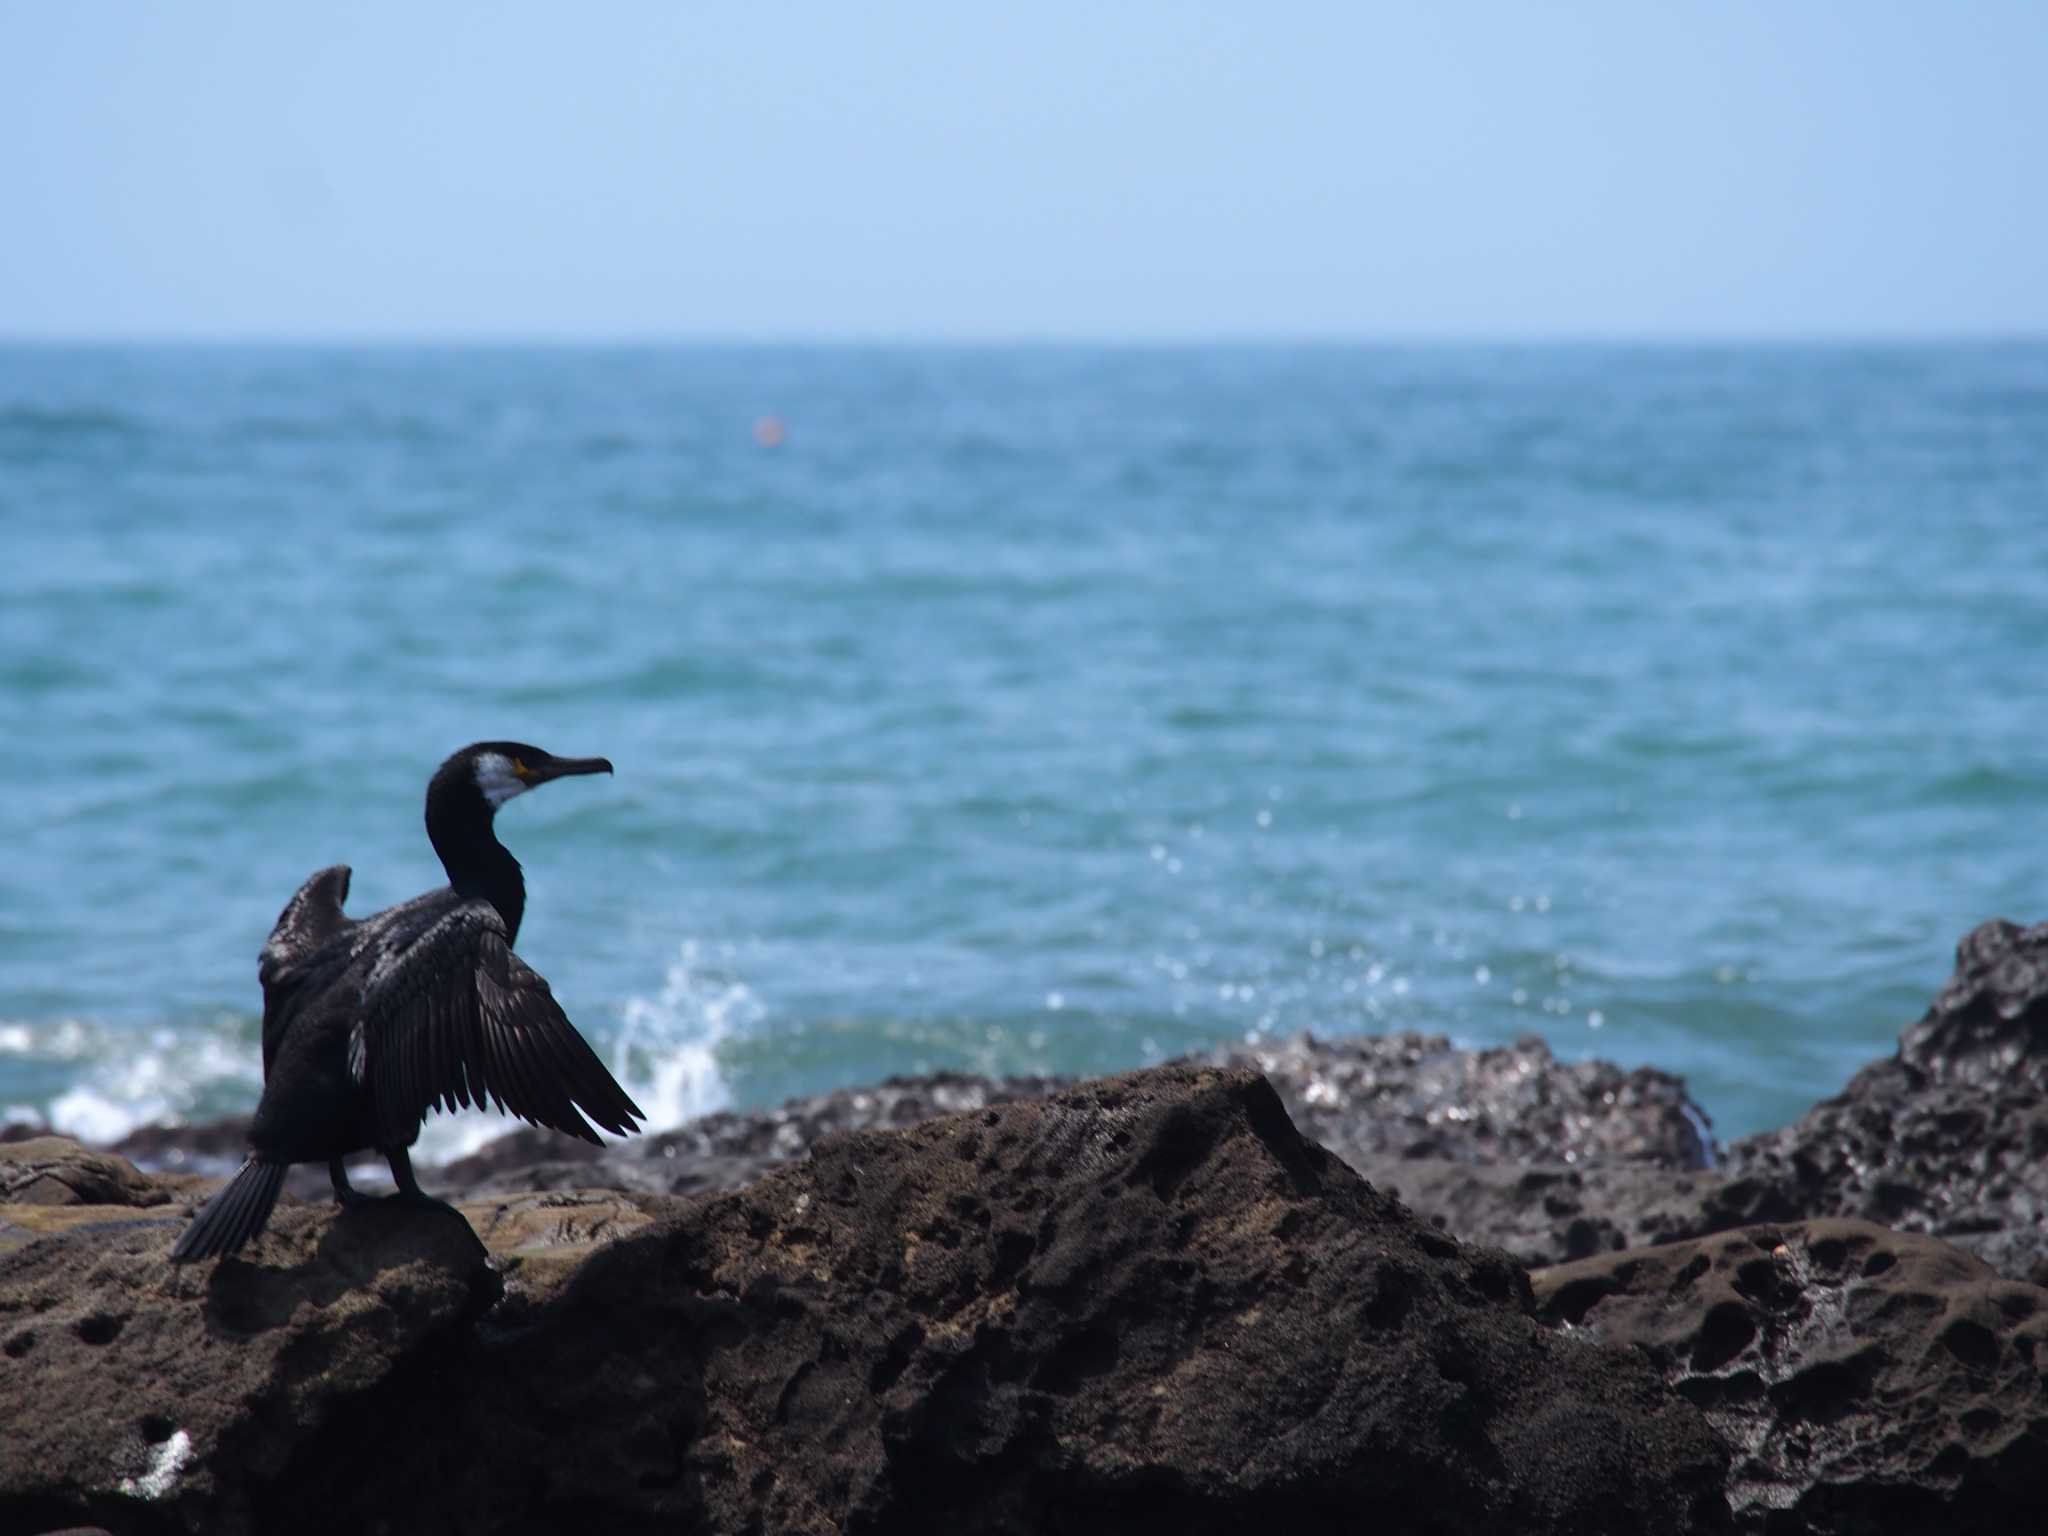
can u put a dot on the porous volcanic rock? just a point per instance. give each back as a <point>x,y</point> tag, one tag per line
<point>151,1398</point>
<point>1949,1136</point>
<point>540,1239</point>
<point>1507,1146</point>
<point>1867,1380</point>
<point>1409,1095</point>
<point>1549,1213</point>
<point>1146,1304</point>
<point>728,1149</point>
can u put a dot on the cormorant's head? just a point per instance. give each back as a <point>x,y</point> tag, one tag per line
<point>502,769</point>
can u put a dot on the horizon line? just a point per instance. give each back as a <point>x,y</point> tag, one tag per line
<point>940,340</point>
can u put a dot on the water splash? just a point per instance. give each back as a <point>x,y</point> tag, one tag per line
<point>666,1054</point>
<point>163,1077</point>
<point>668,1046</point>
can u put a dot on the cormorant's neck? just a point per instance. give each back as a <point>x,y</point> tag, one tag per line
<point>477,863</point>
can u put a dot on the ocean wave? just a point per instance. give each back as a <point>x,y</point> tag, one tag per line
<point>38,421</point>
<point>58,1040</point>
<point>669,1043</point>
<point>100,1082</point>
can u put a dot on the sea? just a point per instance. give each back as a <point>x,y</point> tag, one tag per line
<point>1031,708</point>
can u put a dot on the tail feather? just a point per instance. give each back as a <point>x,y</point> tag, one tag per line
<point>234,1215</point>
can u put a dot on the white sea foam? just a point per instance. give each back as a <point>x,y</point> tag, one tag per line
<point>140,1083</point>
<point>668,1047</point>
<point>665,1053</point>
<point>60,1040</point>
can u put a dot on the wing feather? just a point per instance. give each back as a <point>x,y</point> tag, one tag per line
<point>299,959</point>
<point>308,921</point>
<point>452,1017</point>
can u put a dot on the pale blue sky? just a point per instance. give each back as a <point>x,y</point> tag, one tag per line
<point>1131,170</point>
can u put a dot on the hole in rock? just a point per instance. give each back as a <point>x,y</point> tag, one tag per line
<point>100,1328</point>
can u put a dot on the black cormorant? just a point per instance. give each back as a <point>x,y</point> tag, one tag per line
<point>368,1025</point>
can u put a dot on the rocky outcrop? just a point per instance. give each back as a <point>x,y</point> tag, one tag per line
<point>1139,1303</point>
<point>51,1170</point>
<point>1419,1098</point>
<point>147,1398</point>
<point>1949,1136</point>
<point>1865,1380</point>
<point>730,1149</point>
<point>1144,1304</point>
<point>1508,1146</point>
<point>1550,1213</point>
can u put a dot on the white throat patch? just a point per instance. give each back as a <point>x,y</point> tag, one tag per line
<point>494,776</point>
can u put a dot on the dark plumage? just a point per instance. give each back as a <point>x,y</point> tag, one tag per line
<point>369,1024</point>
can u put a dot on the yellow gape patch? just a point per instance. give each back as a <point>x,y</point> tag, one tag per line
<point>500,777</point>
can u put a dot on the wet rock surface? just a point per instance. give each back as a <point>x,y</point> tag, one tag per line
<point>1864,1379</point>
<point>1508,1147</point>
<point>1145,1304</point>
<point>1419,1097</point>
<point>1949,1136</point>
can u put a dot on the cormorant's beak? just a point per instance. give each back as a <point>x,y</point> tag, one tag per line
<point>562,768</point>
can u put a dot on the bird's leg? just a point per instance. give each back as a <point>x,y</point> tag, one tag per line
<point>409,1191</point>
<point>345,1194</point>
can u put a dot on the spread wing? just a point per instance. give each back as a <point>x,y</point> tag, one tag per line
<point>451,1017</point>
<point>309,920</point>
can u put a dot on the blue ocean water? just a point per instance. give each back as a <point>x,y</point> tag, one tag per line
<point>1031,708</point>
